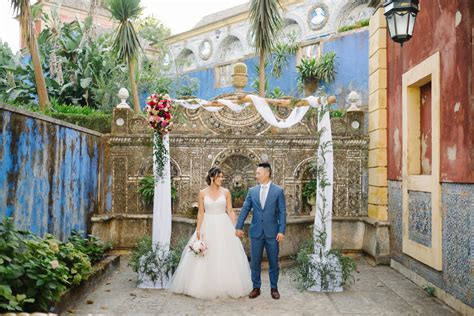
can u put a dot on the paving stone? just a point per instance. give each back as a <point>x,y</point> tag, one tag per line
<point>397,296</point>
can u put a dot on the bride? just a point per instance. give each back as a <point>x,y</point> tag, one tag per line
<point>224,270</point>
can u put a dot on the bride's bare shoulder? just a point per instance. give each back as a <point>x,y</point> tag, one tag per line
<point>202,192</point>
<point>225,190</point>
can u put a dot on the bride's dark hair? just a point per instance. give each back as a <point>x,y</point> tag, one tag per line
<point>212,173</point>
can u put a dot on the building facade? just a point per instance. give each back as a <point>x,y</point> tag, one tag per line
<point>208,51</point>
<point>421,159</point>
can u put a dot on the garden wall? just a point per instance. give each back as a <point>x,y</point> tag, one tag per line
<point>49,172</point>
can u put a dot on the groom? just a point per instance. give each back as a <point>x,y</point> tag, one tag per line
<point>267,201</point>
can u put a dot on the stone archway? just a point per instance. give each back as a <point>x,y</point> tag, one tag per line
<point>291,26</point>
<point>186,60</point>
<point>353,12</point>
<point>230,48</point>
<point>302,175</point>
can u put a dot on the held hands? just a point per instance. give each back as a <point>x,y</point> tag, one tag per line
<point>280,237</point>
<point>239,233</point>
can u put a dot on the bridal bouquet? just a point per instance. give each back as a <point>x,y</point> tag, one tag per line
<point>198,246</point>
<point>160,119</point>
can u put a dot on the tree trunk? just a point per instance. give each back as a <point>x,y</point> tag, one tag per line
<point>133,85</point>
<point>262,75</point>
<point>43,99</point>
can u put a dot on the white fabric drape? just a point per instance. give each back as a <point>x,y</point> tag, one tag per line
<point>328,163</point>
<point>266,112</point>
<point>161,226</point>
<point>261,106</point>
<point>162,202</point>
<point>234,107</point>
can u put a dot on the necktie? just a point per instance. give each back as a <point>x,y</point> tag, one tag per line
<point>263,195</point>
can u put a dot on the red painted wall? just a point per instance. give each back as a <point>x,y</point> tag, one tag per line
<point>436,30</point>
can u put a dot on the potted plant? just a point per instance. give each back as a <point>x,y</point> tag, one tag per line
<point>311,70</point>
<point>309,192</point>
<point>146,189</point>
<point>238,197</point>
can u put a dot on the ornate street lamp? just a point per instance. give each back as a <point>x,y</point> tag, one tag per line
<point>401,17</point>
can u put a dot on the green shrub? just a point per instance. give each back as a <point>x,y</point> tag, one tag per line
<point>309,189</point>
<point>91,246</point>
<point>35,272</point>
<point>101,123</point>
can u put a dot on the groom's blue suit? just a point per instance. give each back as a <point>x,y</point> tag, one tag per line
<point>266,224</point>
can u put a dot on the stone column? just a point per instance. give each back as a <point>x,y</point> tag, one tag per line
<point>378,196</point>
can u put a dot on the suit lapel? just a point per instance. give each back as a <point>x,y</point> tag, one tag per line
<point>258,196</point>
<point>270,191</point>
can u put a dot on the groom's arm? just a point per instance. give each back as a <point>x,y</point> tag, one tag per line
<point>281,213</point>
<point>244,212</point>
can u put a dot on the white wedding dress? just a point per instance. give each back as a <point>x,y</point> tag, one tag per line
<point>224,270</point>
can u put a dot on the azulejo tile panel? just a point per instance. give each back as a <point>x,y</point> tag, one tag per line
<point>458,236</point>
<point>419,217</point>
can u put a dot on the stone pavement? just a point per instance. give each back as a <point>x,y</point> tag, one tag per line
<point>377,291</point>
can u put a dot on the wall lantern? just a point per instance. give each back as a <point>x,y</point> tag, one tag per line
<point>401,17</point>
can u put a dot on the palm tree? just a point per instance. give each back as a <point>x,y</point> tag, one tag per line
<point>266,21</point>
<point>126,42</point>
<point>22,8</point>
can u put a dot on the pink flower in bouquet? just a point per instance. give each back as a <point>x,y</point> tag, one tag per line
<point>158,107</point>
<point>198,247</point>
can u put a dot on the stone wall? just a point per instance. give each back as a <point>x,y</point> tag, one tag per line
<point>236,143</point>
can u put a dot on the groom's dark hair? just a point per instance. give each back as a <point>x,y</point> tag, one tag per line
<point>266,165</point>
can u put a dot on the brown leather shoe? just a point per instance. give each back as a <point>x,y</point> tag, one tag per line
<point>275,294</point>
<point>255,292</point>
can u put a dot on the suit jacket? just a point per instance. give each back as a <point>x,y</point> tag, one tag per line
<point>270,220</point>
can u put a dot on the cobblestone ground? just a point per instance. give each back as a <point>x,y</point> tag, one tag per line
<point>377,291</point>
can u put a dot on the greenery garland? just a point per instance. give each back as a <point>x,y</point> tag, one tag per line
<point>155,262</point>
<point>160,154</point>
<point>160,119</point>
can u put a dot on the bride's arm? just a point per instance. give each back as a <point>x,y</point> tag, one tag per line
<point>230,209</point>
<point>200,214</point>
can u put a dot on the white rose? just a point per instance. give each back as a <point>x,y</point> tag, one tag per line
<point>54,264</point>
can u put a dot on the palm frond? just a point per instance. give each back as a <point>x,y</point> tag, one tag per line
<point>126,42</point>
<point>266,21</point>
<point>124,10</point>
<point>23,10</point>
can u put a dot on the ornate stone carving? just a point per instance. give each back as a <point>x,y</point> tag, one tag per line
<point>205,49</point>
<point>318,16</point>
<point>237,143</point>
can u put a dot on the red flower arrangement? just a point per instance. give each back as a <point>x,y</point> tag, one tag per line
<point>158,107</point>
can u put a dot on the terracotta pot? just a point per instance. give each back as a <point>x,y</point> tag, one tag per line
<point>310,86</point>
<point>238,202</point>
